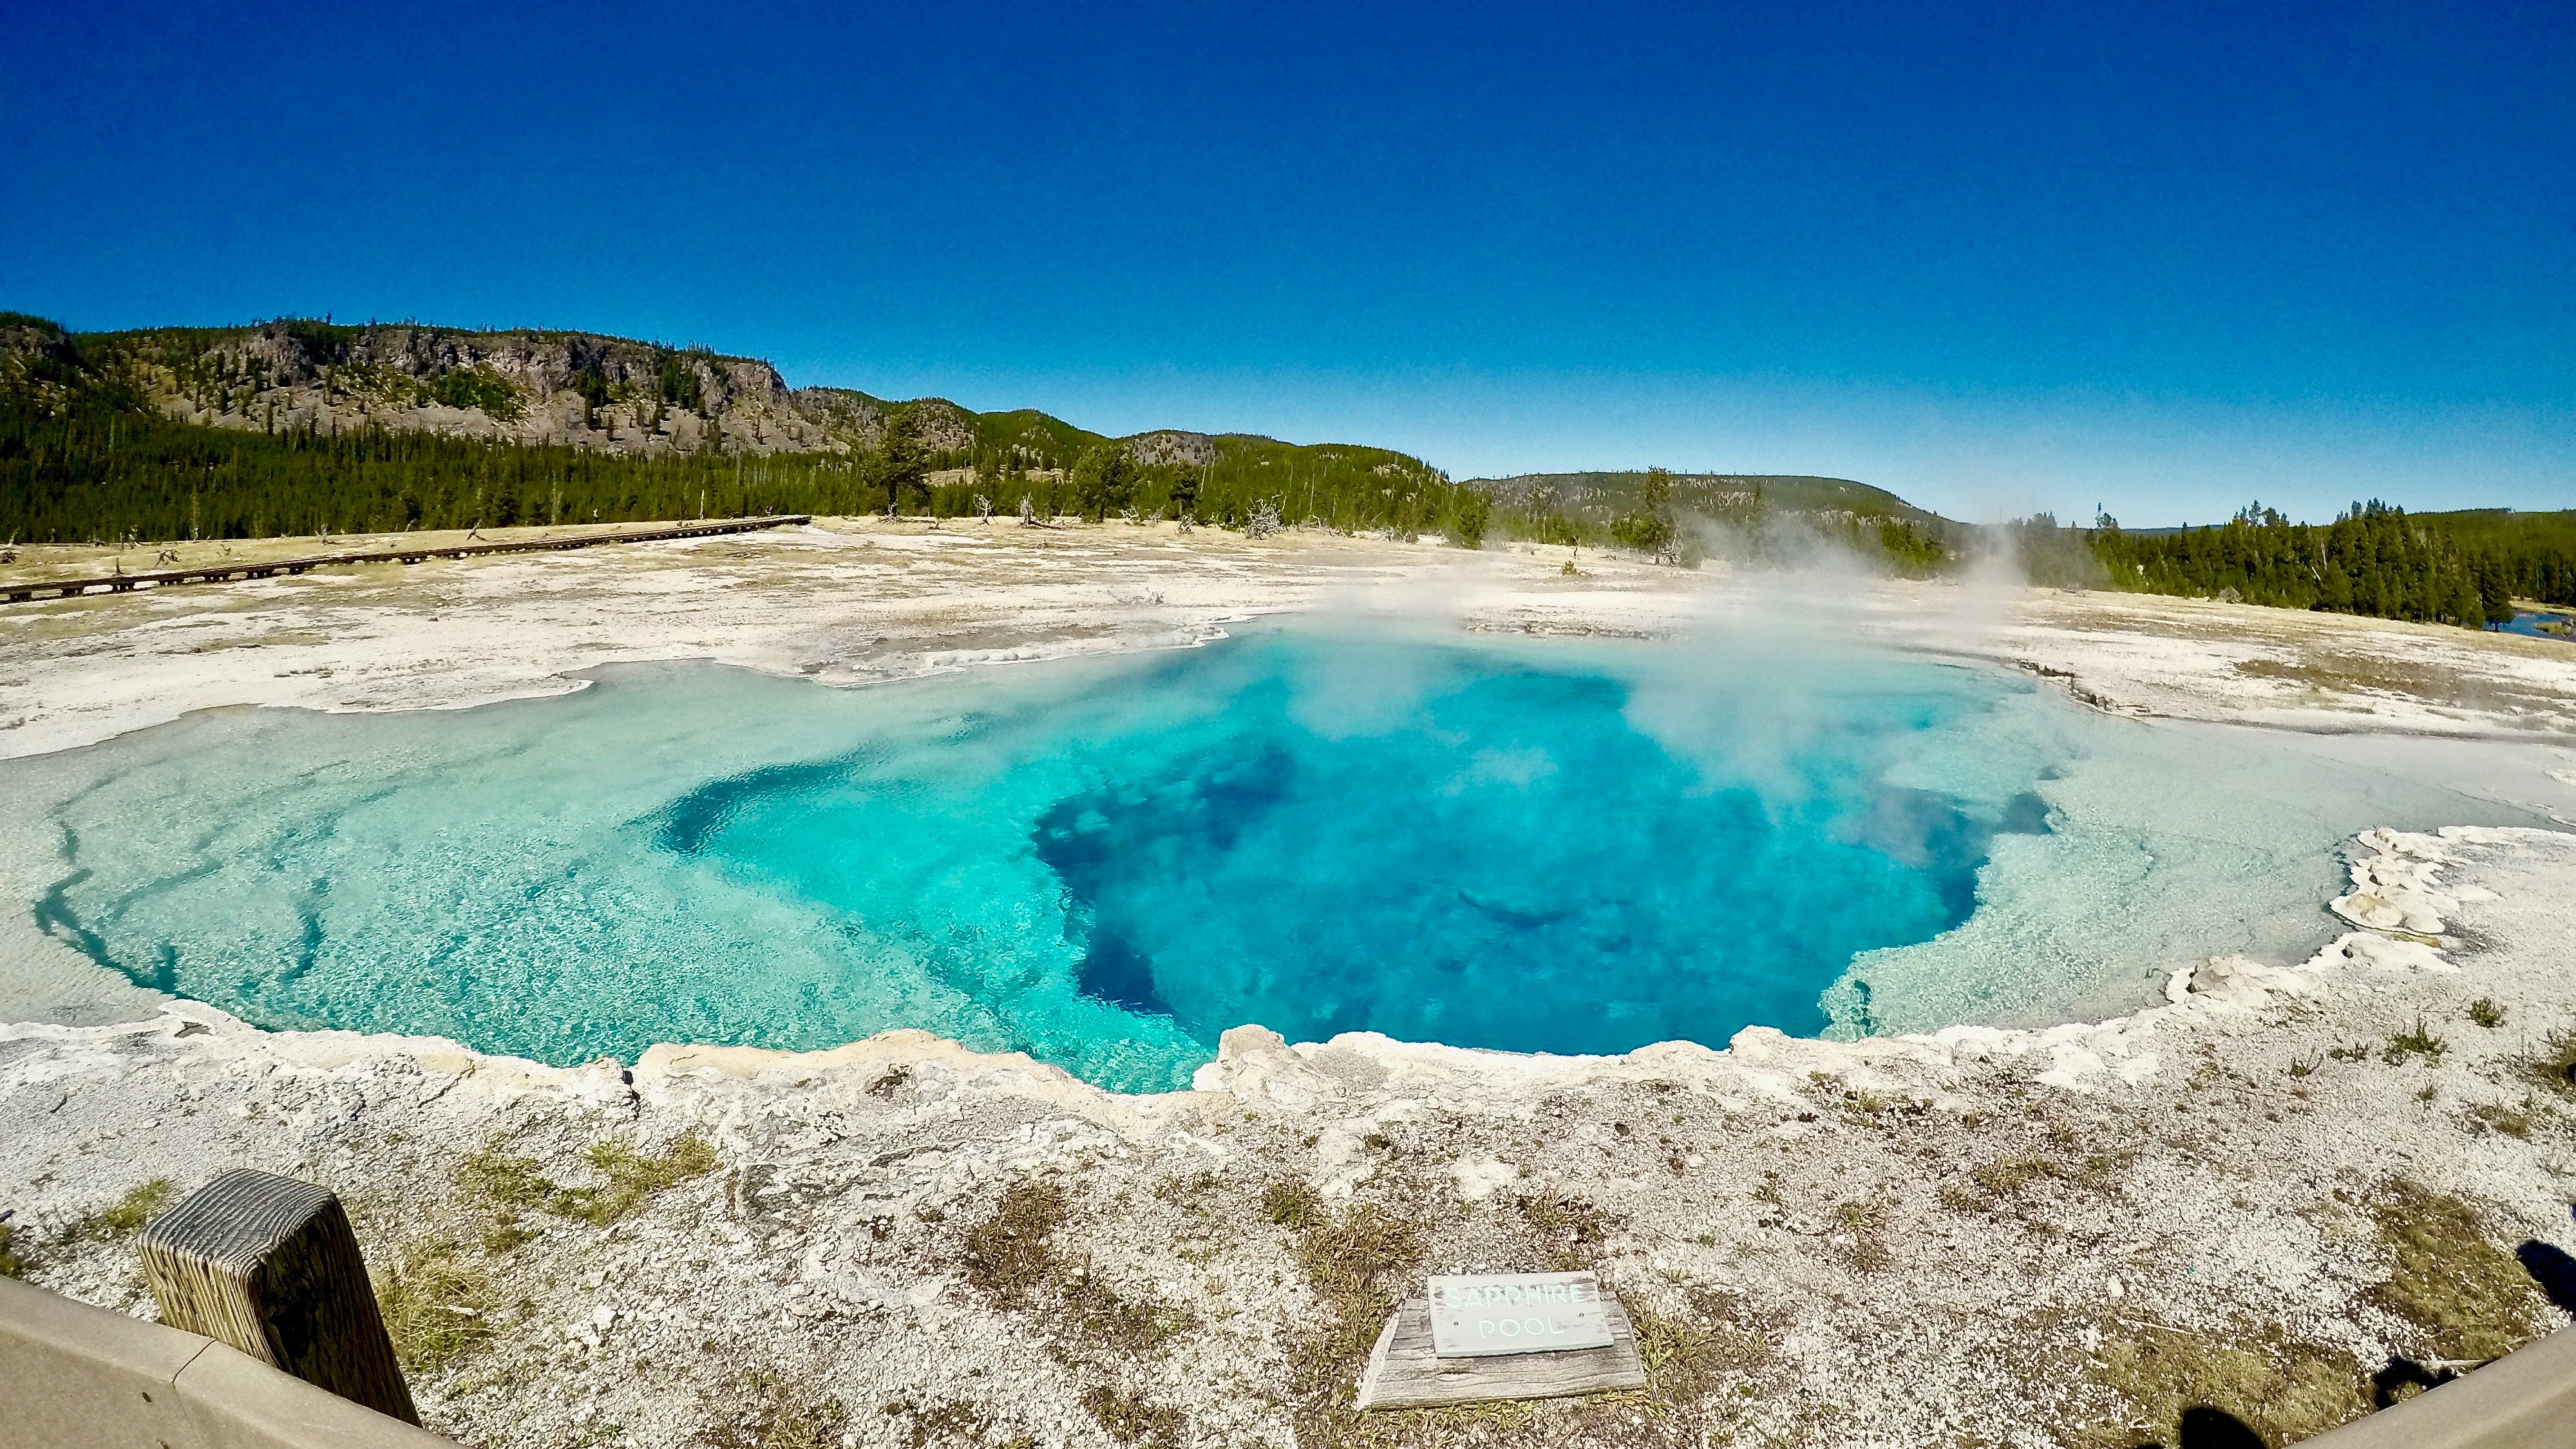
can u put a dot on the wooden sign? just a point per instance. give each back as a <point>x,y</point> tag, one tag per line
<point>1483,1315</point>
<point>1406,1371</point>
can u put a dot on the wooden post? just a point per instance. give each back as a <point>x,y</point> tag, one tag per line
<point>268,1265</point>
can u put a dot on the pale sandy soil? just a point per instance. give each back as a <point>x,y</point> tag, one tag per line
<point>2258,1196</point>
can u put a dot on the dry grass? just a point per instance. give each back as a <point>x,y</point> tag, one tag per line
<point>1130,1418</point>
<point>1993,1186</point>
<point>437,1307</point>
<point>2552,1062</point>
<point>1691,1357</point>
<point>1291,1201</point>
<point>126,1216</point>
<point>2285,1391</point>
<point>2469,1298</point>
<point>1569,1229</point>
<point>1011,1258</point>
<point>1354,1262</point>
<point>2511,1121</point>
<point>779,1411</point>
<point>940,1422</point>
<point>511,1182</point>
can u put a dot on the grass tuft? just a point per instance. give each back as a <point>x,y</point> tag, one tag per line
<point>1689,1359</point>
<point>1569,1228</point>
<point>1010,1257</point>
<point>2552,1063</point>
<point>2469,1298</point>
<point>774,1411</point>
<point>126,1216</point>
<point>1292,1202</point>
<point>2511,1121</point>
<point>1131,1419</point>
<point>2419,1042</point>
<point>2284,1391</point>
<point>437,1307</point>
<point>2486,1013</point>
<point>511,1182</point>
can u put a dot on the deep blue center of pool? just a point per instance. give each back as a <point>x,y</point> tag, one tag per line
<point>1568,849</point>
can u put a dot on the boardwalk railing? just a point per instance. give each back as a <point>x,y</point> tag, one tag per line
<point>2524,1400</point>
<point>273,1340</point>
<point>20,590</point>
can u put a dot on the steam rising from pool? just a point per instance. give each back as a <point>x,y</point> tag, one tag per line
<point>1540,847</point>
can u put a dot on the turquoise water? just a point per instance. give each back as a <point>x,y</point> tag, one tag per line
<point>2530,625</point>
<point>1559,847</point>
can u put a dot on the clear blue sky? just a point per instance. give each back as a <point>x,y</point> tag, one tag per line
<point>2162,258</point>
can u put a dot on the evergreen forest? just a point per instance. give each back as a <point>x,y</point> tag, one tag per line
<point>88,454</point>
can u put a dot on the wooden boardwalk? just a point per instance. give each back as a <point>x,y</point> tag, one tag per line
<point>20,591</point>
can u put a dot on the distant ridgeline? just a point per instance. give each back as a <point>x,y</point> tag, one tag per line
<point>1752,518</point>
<point>300,427</point>
<point>297,427</point>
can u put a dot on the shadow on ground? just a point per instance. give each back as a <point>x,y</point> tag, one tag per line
<point>2207,1428</point>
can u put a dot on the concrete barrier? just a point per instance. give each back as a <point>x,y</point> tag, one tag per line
<point>2524,1400</point>
<point>73,1376</point>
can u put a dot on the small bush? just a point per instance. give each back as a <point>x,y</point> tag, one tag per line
<point>2486,1013</point>
<point>12,1263</point>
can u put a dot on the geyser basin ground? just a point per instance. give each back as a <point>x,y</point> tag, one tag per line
<point>1544,846</point>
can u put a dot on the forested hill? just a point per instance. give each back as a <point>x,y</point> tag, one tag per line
<point>1603,497</point>
<point>297,427</point>
<point>1758,518</point>
<point>2374,558</point>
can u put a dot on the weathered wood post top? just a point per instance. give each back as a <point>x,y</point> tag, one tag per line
<point>268,1264</point>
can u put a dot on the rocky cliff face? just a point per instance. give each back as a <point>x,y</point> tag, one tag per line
<point>574,388</point>
<point>580,389</point>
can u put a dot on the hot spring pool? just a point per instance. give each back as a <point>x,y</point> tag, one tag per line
<point>1543,846</point>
